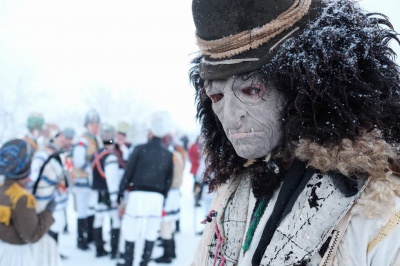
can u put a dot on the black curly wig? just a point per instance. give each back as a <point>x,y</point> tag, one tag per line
<point>339,77</point>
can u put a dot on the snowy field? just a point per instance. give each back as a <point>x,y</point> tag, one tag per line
<point>186,239</point>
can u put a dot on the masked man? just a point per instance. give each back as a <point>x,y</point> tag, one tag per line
<point>299,104</point>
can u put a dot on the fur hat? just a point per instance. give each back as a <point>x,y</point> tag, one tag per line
<point>107,133</point>
<point>68,132</point>
<point>92,117</point>
<point>35,121</point>
<point>15,161</point>
<point>160,124</point>
<point>239,36</point>
<point>123,128</point>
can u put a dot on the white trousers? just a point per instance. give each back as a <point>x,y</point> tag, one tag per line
<point>102,211</point>
<point>42,253</point>
<point>142,216</point>
<point>85,200</point>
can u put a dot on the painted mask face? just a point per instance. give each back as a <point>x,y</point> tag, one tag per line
<point>250,114</point>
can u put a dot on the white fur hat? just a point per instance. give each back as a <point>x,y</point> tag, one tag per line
<point>160,124</point>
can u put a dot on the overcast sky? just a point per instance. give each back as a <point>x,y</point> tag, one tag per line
<point>61,52</point>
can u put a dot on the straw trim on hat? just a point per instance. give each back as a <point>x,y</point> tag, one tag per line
<point>251,39</point>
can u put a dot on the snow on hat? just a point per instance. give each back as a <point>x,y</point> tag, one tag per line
<point>238,36</point>
<point>15,161</point>
<point>160,124</point>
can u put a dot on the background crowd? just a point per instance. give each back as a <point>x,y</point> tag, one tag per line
<point>135,187</point>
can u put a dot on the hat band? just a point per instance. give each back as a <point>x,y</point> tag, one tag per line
<point>250,39</point>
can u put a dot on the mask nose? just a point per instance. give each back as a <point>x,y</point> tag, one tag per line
<point>234,112</point>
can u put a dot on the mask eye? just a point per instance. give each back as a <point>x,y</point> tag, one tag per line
<point>255,90</point>
<point>216,97</point>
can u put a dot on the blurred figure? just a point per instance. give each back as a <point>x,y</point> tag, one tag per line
<point>149,169</point>
<point>49,181</point>
<point>69,134</point>
<point>23,238</point>
<point>206,196</point>
<point>185,141</point>
<point>122,147</point>
<point>83,154</point>
<point>106,182</point>
<point>55,143</point>
<point>172,202</point>
<point>194,158</point>
<point>34,125</point>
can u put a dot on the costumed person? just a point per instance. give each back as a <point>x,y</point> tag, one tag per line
<point>82,157</point>
<point>172,206</point>
<point>122,147</point>
<point>149,170</point>
<point>41,154</point>
<point>50,182</point>
<point>299,102</point>
<point>69,134</point>
<point>106,180</point>
<point>194,154</point>
<point>23,232</point>
<point>206,196</point>
<point>34,124</point>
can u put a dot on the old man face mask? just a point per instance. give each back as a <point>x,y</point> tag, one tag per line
<point>250,113</point>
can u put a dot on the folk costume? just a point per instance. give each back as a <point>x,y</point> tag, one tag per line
<point>106,180</point>
<point>299,105</point>
<point>85,198</point>
<point>23,231</point>
<point>172,206</point>
<point>150,171</point>
<point>50,182</point>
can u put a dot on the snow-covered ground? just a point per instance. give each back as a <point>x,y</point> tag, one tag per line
<point>186,239</point>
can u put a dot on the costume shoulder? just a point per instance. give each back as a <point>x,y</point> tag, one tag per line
<point>16,192</point>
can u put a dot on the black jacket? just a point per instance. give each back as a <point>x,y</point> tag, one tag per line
<point>149,168</point>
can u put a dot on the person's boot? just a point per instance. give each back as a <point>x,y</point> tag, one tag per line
<point>173,254</point>
<point>89,229</point>
<point>53,235</point>
<point>114,243</point>
<point>128,255</point>
<point>99,243</point>
<point>168,252</point>
<point>148,249</point>
<point>82,241</point>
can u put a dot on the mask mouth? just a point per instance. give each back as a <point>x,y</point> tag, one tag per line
<point>244,135</point>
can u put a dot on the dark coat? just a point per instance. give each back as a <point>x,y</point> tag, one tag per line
<point>149,168</point>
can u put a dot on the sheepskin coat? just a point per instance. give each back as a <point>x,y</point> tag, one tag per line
<point>325,225</point>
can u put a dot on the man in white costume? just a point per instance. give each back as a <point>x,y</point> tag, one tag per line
<point>149,171</point>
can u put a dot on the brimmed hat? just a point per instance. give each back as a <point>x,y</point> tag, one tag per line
<point>15,161</point>
<point>239,36</point>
